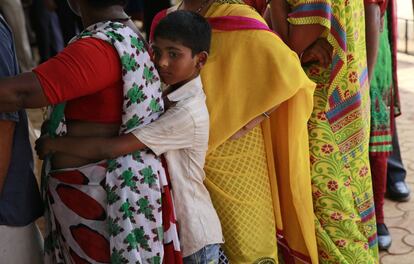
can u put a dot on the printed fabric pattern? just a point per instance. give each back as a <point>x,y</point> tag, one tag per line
<point>339,134</point>
<point>133,183</point>
<point>381,91</point>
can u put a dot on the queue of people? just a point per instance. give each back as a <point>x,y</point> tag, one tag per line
<point>252,132</point>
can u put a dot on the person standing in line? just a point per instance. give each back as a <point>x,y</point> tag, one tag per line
<point>12,11</point>
<point>20,201</point>
<point>380,147</point>
<point>46,25</point>
<point>329,36</point>
<point>102,84</point>
<point>257,163</point>
<point>181,45</point>
<point>70,23</point>
<point>397,189</point>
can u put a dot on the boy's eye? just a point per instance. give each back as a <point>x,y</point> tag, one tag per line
<point>157,53</point>
<point>172,54</point>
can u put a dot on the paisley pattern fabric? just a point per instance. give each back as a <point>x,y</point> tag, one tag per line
<point>339,134</point>
<point>129,187</point>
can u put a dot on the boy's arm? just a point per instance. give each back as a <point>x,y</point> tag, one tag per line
<point>95,148</point>
<point>173,130</point>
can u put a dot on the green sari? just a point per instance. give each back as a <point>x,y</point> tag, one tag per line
<point>381,97</point>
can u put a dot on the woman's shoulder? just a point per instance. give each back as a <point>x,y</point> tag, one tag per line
<point>232,8</point>
<point>90,47</point>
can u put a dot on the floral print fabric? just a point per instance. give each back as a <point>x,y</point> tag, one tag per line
<point>133,183</point>
<point>339,135</point>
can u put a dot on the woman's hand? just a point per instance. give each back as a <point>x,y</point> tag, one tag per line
<point>253,123</point>
<point>43,147</point>
<point>320,51</point>
<point>247,128</point>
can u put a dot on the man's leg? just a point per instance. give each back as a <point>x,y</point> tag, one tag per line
<point>379,182</point>
<point>397,189</point>
<point>21,244</point>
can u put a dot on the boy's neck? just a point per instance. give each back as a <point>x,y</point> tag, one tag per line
<point>176,86</point>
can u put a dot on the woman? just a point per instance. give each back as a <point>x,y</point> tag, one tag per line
<point>384,105</point>
<point>100,211</point>
<point>339,125</point>
<point>259,204</point>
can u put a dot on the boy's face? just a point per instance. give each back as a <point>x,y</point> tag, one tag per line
<point>175,62</point>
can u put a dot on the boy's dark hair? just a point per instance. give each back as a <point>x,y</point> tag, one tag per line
<point>189,28</point>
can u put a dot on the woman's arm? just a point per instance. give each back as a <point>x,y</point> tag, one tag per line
<point>21,91</point>
<point>94,148</point>
<point>372,31</point>
<point>83,68</point>
<point>253,123</point>
<point>297,37</point>
<point>278,12</point>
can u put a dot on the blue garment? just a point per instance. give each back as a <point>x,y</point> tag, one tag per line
<point>20,201</point>
<point>207,255</point>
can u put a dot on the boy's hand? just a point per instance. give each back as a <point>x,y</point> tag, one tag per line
<point>43,147</point>
<point>320,51</point>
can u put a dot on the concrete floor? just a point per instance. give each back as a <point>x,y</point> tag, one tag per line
<point>400,216</point>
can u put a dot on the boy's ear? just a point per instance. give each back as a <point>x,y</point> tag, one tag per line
<point>202,59</point>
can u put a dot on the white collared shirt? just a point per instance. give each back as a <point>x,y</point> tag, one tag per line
<point>182,134</point>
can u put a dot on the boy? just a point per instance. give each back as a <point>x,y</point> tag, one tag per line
<point>181,45</point>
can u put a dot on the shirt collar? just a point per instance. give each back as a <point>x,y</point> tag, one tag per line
<point>190,89</point>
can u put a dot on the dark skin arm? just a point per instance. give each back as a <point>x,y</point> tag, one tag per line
<point>297,37</point>
<point>21,91</point>
<point>93,148</point>
<point>372,31</point>
<point>6,144</point>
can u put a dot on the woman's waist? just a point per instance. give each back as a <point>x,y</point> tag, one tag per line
<point>89,174</point>
<point>61,161</point>
<point>78,128</point>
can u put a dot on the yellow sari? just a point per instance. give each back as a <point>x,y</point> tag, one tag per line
<point>260,184</point>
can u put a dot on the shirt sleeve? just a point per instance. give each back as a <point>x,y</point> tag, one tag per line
<point>85,67</point>
<point>13,116</point>
<point>172,131</point>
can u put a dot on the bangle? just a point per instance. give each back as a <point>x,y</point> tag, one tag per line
<point>266,114</point>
